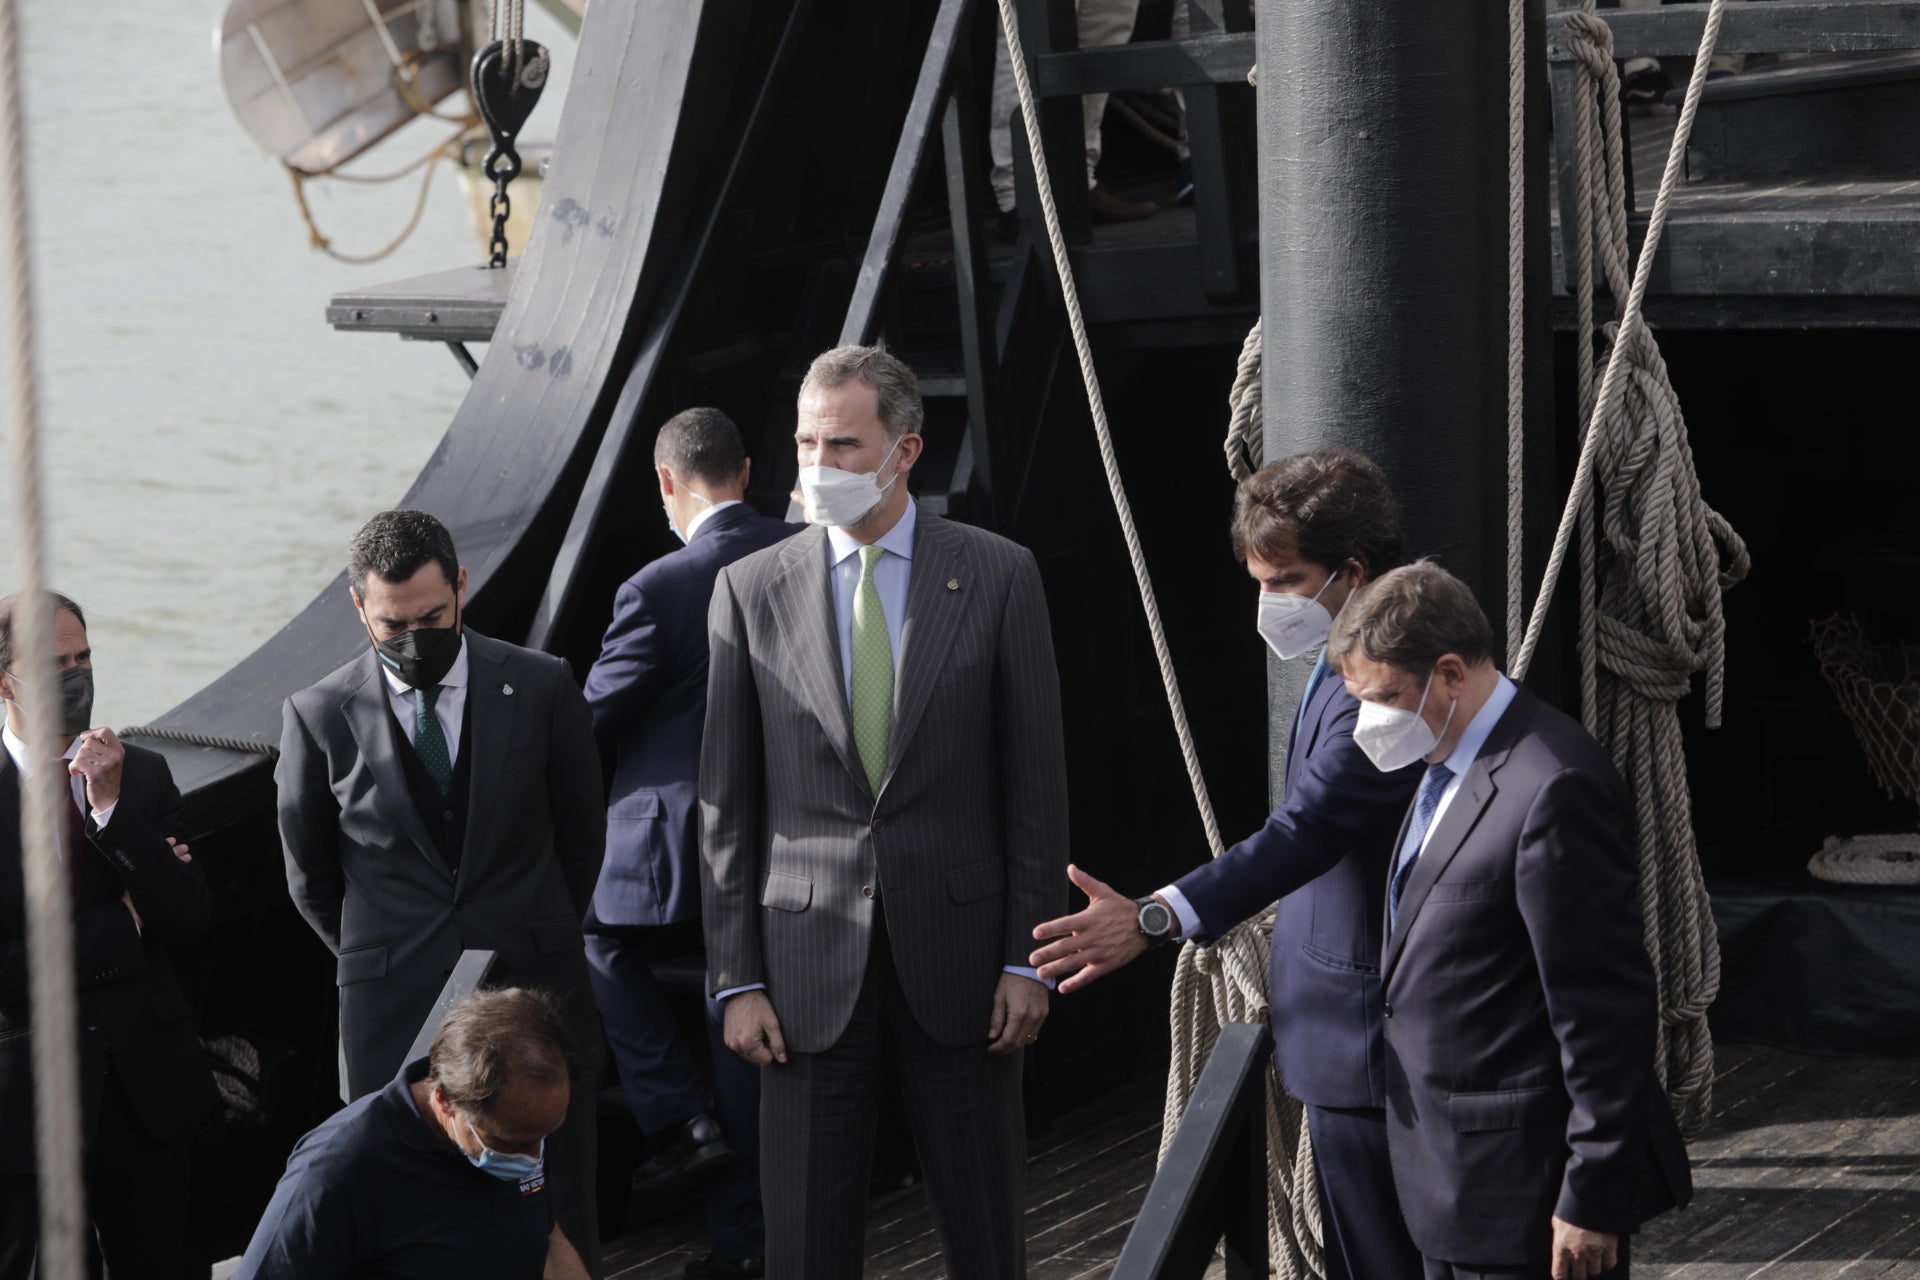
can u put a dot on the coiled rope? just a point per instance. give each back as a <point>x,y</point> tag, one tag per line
<point>1669,559</point>
<point>49,911</point>
<point>1233,970</point>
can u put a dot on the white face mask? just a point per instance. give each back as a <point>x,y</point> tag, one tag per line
<point>676,528</point>
<point>1292,624</point>
<point>841,499</point>
<point>1394,737</point>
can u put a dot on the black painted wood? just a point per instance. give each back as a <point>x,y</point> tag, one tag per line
<point>1222,145</point>
<point>1212,1182</point>
<point>917,134</point>
<point>621,444</point>
<point>964,151</point>
<point>1211,58</point>
<point>1778,26</point>
<point>473,971</point>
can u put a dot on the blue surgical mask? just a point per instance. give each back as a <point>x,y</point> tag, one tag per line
<point>506,1166</point>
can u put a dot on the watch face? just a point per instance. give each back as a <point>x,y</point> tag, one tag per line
<point>1155,920</point>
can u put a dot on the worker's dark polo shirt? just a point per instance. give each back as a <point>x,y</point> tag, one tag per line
<point>375,1194</point>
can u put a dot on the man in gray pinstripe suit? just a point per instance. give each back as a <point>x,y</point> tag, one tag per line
<point>883,804</point>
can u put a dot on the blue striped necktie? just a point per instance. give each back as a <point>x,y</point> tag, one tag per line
<point>1432,787</point>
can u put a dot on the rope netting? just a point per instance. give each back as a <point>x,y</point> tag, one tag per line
<point>1884,709</point>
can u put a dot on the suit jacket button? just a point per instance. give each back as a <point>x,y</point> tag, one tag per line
<point>1386,1011</point>
<point>447,816</point>
<point>866,891</point>
<point>879,824</point>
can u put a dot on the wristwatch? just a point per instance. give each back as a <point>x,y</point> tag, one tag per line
<point>1156,921</point>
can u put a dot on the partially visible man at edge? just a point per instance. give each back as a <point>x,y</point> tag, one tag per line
<point>440,793</point>
<point>144,1082</point>
<point>648,692</point>
<point>1529,1132</point>
<point>883,810</point>
<point>441,1173</point>
<point>1313,530</point>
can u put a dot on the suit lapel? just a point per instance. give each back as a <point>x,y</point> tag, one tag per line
<point>9,801</point>
<point>490,723</point>
<point>366,710</point>
<point>1477,790</point>
<point>802,601</point>
<point>934,608</point>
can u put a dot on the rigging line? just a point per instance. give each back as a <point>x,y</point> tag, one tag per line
<point>1630,322</point>
<point>1516,319</point>
<point>49,911</point>
<point>1076,322</point>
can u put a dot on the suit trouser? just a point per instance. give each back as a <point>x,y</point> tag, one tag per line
<point>1438,1270</point>
<point>1360,1219</point>
<point>1101,23</point>
<point>573,1158</point>
<point>817,1122</point>
<point>661,1083</point>
<point>139,1202</point>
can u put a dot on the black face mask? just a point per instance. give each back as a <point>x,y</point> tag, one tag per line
<point>76,699</point>
<point>423,656</point>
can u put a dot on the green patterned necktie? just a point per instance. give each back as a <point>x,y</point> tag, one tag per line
<point>872,672</point>
<point>429,740</point>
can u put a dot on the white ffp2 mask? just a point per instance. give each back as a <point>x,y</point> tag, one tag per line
<point>841,499</point>
<point>1394,737</point>
<point>1292,624</point>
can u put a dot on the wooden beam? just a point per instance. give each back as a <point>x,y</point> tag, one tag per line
<point>1220,58</point>
<point>1780,26</point>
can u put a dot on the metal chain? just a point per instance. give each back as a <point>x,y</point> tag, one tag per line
<point>500,206</point>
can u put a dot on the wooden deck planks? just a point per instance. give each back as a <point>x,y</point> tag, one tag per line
<point>1809,1170</point>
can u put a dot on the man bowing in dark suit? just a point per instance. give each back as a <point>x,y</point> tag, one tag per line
<point>1529,1132</point>
<point>1313,529</point>
<point>648,692</point>
<point>441,793</point>
<point>883,813</point>
<point>144,1084</point>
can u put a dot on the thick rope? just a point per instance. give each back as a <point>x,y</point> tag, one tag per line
<point>1516,314</point>
<point>1237,963</point>
<point>1868,860</point>
<point>217,741</point>
<point>49,912</point>
<point>1666,558</point>
<point>1246,425</point>
<point>1076,322</point>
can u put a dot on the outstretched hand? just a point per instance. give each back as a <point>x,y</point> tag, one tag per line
<point>1092,943</point>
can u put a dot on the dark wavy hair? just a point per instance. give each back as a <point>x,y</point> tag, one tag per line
<point>395,545</point>
<point>1328,506</point>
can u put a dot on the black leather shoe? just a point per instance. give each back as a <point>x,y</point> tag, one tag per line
<point>715,1268</point>
<point>689,1151</point>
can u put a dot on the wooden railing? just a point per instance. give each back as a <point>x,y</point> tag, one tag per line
<point>1211,1188</point>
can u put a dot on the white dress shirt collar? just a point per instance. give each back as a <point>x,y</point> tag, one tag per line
<point>456,677</point>
<point>706,514</point>
<point>898,539</point>
<point>1467,750</point>
<point>23,759</point>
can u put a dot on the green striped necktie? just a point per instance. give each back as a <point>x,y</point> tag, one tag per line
<point>872,672</point>
<point>430,740</point>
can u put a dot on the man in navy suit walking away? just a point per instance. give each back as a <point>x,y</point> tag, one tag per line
<point>1313,529</point>
<point>648,692</point>
<point>1530,1133</point>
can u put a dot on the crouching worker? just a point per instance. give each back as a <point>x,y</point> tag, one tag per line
<point>441,1173</point>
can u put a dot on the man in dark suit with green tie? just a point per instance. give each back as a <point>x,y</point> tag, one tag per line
<point>440,793</point>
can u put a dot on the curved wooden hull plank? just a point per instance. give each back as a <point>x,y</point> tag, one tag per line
<point>629,163</point>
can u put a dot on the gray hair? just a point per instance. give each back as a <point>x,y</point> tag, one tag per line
<point>493,1037</point>
<point>1411,617</point>
<point>896,387</point>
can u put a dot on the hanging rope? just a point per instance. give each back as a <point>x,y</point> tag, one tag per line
<point>49,912</point>
<point>1233,971</point>
<point>1668,559</point>
<point>1246,427</point>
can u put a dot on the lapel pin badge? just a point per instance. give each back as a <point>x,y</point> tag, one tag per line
<point>507,689</point>
<point>953,584</point>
